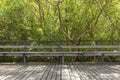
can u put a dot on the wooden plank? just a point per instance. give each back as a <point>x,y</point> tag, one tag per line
<point>23,72</point>
<point>79,71</point>
<point>65,72</point>
<point>115,71</point>
<point>31,71</point>
<point>96,46</point>
<point>103,73</point>
<point>90,72</point>
<point>95,68</point>
<point>9,71</point>
<point>55,69</point>
<point>73,77</point>
<point>59,72</point>
<point>51,72</point>
<point>46,72</point>
<point>26,72</point>
<point>76,71</point>
<point>11,46</point>
<point>74,54</point>
<point>22,46</point>
<point>89,46</point>
<point>36,72</point>
<point>42,46</point>
<point>15,72</point>
<point>82,70</point>
<point>69,71</point>
<point>42,72</point>
<point>109,72</point>
<point>2,69</point>
<point>89,52</point>
<point>33,74</point>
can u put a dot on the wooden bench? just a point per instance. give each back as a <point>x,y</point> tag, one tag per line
<point>96,52</point>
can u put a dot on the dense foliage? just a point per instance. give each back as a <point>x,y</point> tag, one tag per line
<point>59,19</point>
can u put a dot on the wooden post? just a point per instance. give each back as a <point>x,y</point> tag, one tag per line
<point>95,57</point>
<point>24,58</point>
<point>24,54</point>
<point>102,57</point>
<point>61,57</point>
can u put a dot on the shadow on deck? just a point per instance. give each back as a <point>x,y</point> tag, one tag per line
<point>68,71</point>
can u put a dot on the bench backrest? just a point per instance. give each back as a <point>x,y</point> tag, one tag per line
<point>60,46</point>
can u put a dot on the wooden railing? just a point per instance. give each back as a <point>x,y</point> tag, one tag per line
<point>58,48</point>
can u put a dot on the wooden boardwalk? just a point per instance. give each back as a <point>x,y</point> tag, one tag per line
<point>68,71</point>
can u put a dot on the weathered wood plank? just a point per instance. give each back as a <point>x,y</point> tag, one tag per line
<point>29,73</point>
<point>9,72</point>
<point>95,46</point>
<point>12,46</point>
<point>51,72</point>
<point>54,72</point>
<point>15,72</point>
<point>26,71</point>
<point>42,72</point>
<point>79,72</point>
<point>82,69</point>
<point>89,46</point>
<point>97,53</point>
<point>36,72</point>
<point>59,72</point>
<point>65,72</point>
<point>69,71</point>
<point>46,73</point>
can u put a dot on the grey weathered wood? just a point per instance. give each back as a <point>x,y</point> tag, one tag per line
<point>76,71</point>
<point>51,72</point>
<point>30,73</point>
<point>26,72</point>
<point>96,46</point>
<point>24,58</point>
<point>21,46</point>
<point>10,71</point>
<point>73,77</point>
<point>62,58</point>
<point>54,71</point>
<point>42,46</point>
<point>24,54</point>
<point>46,73</point>
<point>61,53</point>
<point>40,74</point>
<point>89,46</point>
<point>7,46</point>
<point>65,72</point>
<point>59,72</point>
<point>103,58</point>
<point>95,74</point>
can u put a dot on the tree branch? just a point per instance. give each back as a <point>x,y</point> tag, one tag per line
<point>100,13</point>
<point>60,22</point>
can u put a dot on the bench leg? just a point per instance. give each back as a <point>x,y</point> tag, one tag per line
<point>24,59</point>
<point>95,57</point>
<point>103,58</point>
<point>59,59</point>
<point>63,59</point>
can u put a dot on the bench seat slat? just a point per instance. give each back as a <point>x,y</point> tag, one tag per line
<point>97,46</point>
<point>98,53</point>
<point>94,52</point>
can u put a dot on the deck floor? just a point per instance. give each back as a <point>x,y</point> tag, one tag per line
<point>68,71</point>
